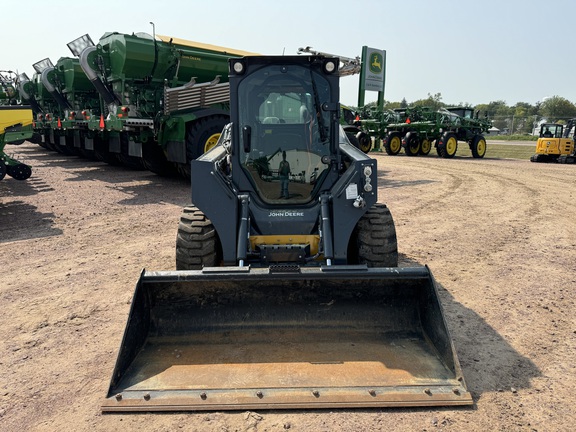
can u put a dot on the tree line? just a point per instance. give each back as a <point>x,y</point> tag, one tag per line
<point>521,118</point>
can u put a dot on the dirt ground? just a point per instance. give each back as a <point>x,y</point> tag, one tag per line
<point>498,235</point>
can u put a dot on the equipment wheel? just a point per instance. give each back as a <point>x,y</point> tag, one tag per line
<point>154,159</point>
<point>478,146</point>
<point>19,171</point>
<point>425,146</point>
<point>393,143</point>
<point>447,145</point>
<point>364,141</point>
<point>411,144</point>
<point>373,241</point>
<point>203,134</point>
<point>3,169</point>
<point>197,242</point>
<point>36,139</point>
<point>133,162</point>
<point>352,138</point>
<point>49,141</point>
<point>61,145</point>
<point>103,154</point>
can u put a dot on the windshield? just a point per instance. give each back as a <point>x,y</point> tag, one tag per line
<point>288,136</point>
<point>551,131</point>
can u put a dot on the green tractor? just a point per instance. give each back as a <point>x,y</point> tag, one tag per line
<point>417,129</point>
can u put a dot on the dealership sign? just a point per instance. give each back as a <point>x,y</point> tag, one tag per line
<point>374,64</point>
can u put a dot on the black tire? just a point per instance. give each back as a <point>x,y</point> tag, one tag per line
<point>425,146</point>
<point>393,143</point>
<point>19,171</point>
<point>411,144</point>
<point>373,241</point>
<point>103,154</point>
<point>49,142</point>
<point>447,145</point>
<point>352,138</point>
<point>155,160</point>
<point>478,146</point>
<point>3,169</point>
<point>36,139</point>
<point>132,162</point>
<point>364,141</point>
<point>197,243</point>
<point>201,135</point>
<point>63,148</point>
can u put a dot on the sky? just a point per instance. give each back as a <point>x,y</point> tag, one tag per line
<point>470,52</point>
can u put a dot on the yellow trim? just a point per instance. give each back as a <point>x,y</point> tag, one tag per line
<point>312,240</point>
<point>11,117</point>
<point>201,45</point>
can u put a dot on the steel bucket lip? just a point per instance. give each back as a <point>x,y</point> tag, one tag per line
<point>436,391</point>
<point>313,273</point>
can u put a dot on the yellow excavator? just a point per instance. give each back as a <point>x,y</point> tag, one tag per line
<point>555,143</point>
<point>287,293</point>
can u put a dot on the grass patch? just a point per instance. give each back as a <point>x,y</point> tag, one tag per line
<point>500,151</point>
<point>494,151</point>
<point>513,137</point>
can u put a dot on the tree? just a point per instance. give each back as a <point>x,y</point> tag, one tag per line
<point>432,101</point>
<point>392,105</point>
<point>499,113</point>
<point>557,108</point>
<point>524,117</point>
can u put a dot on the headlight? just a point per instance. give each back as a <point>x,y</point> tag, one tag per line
<point>238,67</point>
<point>329,67</point>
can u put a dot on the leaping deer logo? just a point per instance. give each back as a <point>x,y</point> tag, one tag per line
<point>376,63</point>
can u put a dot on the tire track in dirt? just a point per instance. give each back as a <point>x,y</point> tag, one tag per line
<point>502,246</point>
<point>455,182</point>
<point>499,236</point>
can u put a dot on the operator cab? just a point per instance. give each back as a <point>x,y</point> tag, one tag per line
<point>551,130</point>
<point>284,132</point>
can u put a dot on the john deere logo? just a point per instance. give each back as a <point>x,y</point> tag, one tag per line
<point>376,63</point>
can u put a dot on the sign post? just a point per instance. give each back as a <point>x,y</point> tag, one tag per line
<point>373,74</point>
<point>373,77</point>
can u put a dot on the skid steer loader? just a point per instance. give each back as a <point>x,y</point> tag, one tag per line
<point>287,292</point>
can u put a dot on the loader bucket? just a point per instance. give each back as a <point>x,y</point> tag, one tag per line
<point>331,337</point>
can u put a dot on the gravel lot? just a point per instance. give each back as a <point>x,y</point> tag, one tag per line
<point>499,236</point>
